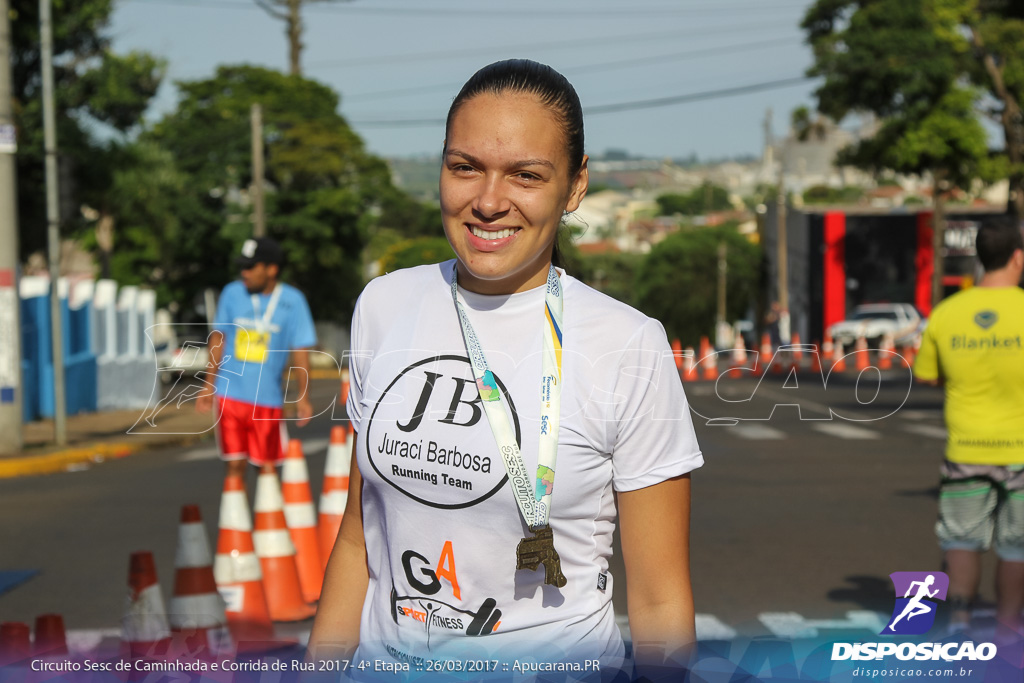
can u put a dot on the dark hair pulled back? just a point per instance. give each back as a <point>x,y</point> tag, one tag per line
<point>552,89</point>
<point>526,76</point>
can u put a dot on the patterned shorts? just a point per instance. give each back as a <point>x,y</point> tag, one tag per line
<point>979,504</point>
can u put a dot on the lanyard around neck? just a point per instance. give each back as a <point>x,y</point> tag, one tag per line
<point>263,323</point>
<point>535,504</point>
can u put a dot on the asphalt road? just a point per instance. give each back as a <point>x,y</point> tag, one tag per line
<point>803,516</point>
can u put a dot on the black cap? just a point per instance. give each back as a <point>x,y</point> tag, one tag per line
<point>260,250</point>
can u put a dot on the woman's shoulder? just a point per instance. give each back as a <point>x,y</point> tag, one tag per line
<point>406,285</point>
<point>605,318</point>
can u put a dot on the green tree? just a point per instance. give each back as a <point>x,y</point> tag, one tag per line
<point>100,98</point>
<point>905,61</point>
<point>416,251</point>
<point>706,198</point>
<point>325,191</point>
<point>678,280</point>
<point>611,273</point>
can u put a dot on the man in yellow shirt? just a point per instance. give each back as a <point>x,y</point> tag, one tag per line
<point>974,346</point>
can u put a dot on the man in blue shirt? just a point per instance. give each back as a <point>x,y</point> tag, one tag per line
<point>261,325</point>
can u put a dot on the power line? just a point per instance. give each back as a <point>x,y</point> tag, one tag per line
<point>525,13</point>
<point>588,68</point>
<point>599,41</point>
<point>616,107</point>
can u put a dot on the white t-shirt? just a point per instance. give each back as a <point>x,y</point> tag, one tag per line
<point>440,521</point>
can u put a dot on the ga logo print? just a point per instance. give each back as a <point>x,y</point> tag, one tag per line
<point>917,598</point>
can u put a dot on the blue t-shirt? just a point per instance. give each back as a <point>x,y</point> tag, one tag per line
<point>256,351</point>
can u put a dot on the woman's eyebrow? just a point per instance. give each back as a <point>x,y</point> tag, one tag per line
<point>516,164</point>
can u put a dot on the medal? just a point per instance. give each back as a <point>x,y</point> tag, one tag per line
<point>538,550</point>
<point>534,503</point>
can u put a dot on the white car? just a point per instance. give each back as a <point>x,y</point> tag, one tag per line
<point>873,321</point>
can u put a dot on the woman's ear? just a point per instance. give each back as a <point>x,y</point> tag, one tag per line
<point>579,187</point>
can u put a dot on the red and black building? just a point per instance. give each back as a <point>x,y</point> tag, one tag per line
<point>840,258</point>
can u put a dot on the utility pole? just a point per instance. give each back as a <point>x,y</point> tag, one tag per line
<point>259,217</point>
<point>53,222</point>
<point>782,258</point>
<point>723,272</point>
<point>10,325</point>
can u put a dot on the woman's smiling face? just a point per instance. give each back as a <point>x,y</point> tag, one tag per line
<point>505,184</point>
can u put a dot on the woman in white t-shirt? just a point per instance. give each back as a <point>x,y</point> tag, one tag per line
<point>456,544</point>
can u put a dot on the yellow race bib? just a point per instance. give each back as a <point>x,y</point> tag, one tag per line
<point>251,345</point>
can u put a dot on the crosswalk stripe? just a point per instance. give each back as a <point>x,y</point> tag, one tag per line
<point>844,430</point>
<point>926,430</point>
<point>710,627</point>
<point>754,431</point>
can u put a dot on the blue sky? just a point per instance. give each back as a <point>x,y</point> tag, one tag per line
<point>406,59</point>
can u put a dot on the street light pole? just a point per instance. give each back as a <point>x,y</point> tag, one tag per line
<point>10,305</point>
<point>783,260</point>
<point>53,221</point>
<point>260,217</point>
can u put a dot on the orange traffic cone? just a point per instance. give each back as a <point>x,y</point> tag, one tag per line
<point>15,642</point>
<point>797,354</point>
<point>765,357</point>
<point>861,354</point>
<point>840,364</point>
<point>739,357</point>
<point>300,514</point>
<point>708,359</point>
<point>885,353</point>
<point>816,359</point>
<point>335,494</point>
<point>276,552</point>
<point>344,386</point>
<point>908,356</point>
<point>690,367</point>
<point>677,353</point>
<point>827,349</point>
<point>196,610</point>
<point>236,569</point>
<point>144,629</point>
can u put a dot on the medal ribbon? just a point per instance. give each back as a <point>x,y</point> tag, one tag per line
<point>535,504</point>
<point>263,324</point>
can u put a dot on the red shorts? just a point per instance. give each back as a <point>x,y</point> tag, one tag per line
<point>249,431</point>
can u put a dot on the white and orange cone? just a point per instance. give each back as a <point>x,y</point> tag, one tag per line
<point>816,359</point>
<point>276,551</point>
<point>840,364</point>
<point>739,357</point>
<point>236,569</point>
<point>690,367</point>
<point>144,628</point>
<point>335,492</point>
<point>677,354</point>
<point>708,361</point>
<point>797,353</point>
<point>861,353</point>
<point>344,386</point>
<point>300,514</point>
<point>886,352</point>
<point>765,356</point>
<point>196,612</point>
<point>828,349</point>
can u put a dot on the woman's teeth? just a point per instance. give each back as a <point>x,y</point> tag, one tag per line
<point>493,234</point>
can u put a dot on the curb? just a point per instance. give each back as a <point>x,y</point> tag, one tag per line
<point>48,463</point>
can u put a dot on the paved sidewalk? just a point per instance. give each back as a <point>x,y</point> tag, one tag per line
<point>93,437</point>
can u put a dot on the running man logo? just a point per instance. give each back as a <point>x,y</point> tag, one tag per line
<point>914,613</point>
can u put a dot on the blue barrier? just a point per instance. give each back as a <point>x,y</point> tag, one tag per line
<point>79,360</point>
